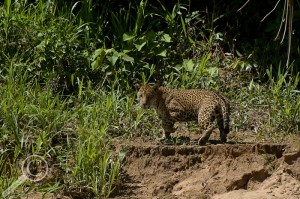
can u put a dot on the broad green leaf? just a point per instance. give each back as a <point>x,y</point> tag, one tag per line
<point>213,71</point>
<point>139,46</point>
<point>126,51</point>
<point>126,57</point>
<point>162,53</point>
<point>150,35</point>
<point>128,36</point>
<point>178,66</point>
<point>188,65</point>
<point>166,38</point>
<point>113,59</point>
<point>94,65</point>
<point>107,51</point>
<point>98,53</point>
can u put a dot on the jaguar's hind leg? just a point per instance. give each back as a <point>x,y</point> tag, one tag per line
<point>223,132</point>
<point>206,121</point>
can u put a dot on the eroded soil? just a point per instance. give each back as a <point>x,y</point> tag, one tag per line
<point>235,170</point>
<point>219,171</point>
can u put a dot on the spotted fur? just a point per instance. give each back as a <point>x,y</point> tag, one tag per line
<point>204,106</point>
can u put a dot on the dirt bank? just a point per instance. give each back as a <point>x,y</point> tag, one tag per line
<point>218,171</point>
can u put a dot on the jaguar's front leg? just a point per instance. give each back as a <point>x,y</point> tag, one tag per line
<point>168,126</point>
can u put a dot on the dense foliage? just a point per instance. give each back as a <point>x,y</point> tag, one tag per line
<point>58,43</point>
<point>68,72</point>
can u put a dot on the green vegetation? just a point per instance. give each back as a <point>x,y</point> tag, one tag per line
<point>67,75</point>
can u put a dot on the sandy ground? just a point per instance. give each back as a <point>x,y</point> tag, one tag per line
<point>218,171</point>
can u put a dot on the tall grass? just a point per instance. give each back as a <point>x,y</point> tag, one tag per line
<point>71,133</point>
<point>66,78</point>
<point>285,100</point>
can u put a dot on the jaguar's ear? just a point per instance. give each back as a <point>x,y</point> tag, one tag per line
<point>137,86</point>
<point>156,86</point>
